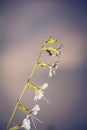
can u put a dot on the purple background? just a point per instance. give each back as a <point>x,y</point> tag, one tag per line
<point>24,25</point>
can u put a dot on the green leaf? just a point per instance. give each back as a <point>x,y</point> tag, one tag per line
<point>15,128</point>
<point>23,108</point>
<point>51,40</point>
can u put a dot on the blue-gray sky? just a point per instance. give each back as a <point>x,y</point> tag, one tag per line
<point>24,25</point>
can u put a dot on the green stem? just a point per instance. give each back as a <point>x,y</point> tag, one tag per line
<point>15,108</point>
<point>12,116</point>
<point>35,65</point>
<point>23,91</point>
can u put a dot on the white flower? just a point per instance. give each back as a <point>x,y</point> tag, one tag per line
<point>35,109</point>
<point>58,51</point>
<point>53,68</point>
<point>31,116</point>
<point>39,93</point>
<point>26,123</point>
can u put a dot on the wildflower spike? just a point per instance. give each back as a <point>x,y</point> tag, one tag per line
<point>39,91</point>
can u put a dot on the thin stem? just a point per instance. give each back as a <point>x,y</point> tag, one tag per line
<point>12,116</point>
<point>24,89</point>
<point>15,108</point>
<point>35,65</point>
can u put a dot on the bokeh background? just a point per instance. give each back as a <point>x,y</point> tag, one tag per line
<point>24,26</point>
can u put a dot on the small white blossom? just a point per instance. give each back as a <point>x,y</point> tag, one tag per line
<point>39,94</point>
<point>31,116</point>
<point>26,123</point>
<point>58,51</point>
<point>53,68</point>
<point>35,109</point>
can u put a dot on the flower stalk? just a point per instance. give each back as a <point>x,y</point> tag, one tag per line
<point>39,90</point>
<point>23,91</point>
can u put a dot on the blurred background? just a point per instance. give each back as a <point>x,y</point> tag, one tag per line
<point>24,26</point>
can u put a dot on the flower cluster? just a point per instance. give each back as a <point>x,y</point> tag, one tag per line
<point>38,90</point>
<point>30,116</point>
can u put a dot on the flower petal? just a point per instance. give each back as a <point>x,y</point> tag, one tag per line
<point>40,96</point>
<point>35,109</point>
<point>50,73</point>
<point>55,65</point>
<point>36,98</point>
<point>26,124</point>
<point>54,72</point>
<point>44,86</point>
<point>34,112</point>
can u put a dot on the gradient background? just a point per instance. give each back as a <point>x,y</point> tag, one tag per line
<point>24,25</point>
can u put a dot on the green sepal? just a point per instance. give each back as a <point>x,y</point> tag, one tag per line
<point>15,128</point>
<point>49,49</point>
<point>42,64</point>
<point>51,40</point>
<point>23,108</point>
<point>36,88</point>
